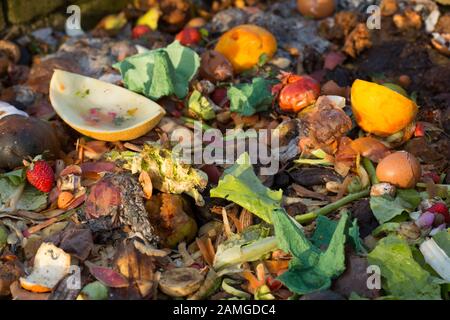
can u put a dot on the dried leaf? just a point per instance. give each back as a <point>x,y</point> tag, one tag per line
<point>107,276</point>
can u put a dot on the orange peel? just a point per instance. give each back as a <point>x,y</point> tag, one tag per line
<point>380,110</point>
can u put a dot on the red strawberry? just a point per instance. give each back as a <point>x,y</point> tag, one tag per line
<point>188,36</point>
<point>139,31</point>
<point>440,208</point>
<point>40,175</point>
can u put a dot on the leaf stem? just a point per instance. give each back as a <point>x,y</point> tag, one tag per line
<point>370,168</point>
<point>307,217</point>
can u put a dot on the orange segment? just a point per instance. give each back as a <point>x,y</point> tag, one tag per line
<point>380,110</point>
<point>244,44</point>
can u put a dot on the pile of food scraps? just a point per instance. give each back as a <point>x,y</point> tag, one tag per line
<point>103,197</point>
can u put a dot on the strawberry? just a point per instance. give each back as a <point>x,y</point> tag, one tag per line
<point>188,36</point>
<point>40,175</point>
<point>440,208</point>
<point>139,31</point>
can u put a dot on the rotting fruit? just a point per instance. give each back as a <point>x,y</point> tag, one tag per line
<point>380,110</point>
<point>296,92</point>
<point>243,46</point>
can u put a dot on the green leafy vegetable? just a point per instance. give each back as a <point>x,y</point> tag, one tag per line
<point>404,277</point>
<point>95,291</point>
<point>324,232</point>
<point>16,177</point>
<point>385,208</point>
<point>442,239</point>
<point>167,172</point>
<point>160,72</point>
<point>19,196</point>
<point>250,98</point>
<point>240,184</point>
<point>353,234</point>
<point>201,106</point>
<point>32,199</point>
<point>310,269</point>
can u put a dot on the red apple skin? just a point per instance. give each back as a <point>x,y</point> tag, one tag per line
<point>139,30</point>
<point>298,94</point>
<point>188,36</point>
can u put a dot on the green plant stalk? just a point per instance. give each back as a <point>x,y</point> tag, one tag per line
<point>192,121</point>
<point>307,217</point>
<point>247,253</point>
<point>323,162</point>
<point>370,168</point>
<point>424,185</point>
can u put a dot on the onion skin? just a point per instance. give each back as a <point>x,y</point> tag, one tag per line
<point>298,93</point>
<point>401,169</point>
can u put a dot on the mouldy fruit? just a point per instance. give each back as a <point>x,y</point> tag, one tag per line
<point>171,212</point>
<point>400,169</point>
<point>215,67</point>
<point>316,8</point>
<point>380,110</point>
<point>188,36</point>
<point>180,282</point>
<point>296,92</point>
<point>243,46</point>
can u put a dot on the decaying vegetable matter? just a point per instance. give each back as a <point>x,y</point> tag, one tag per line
<point>228,150</point>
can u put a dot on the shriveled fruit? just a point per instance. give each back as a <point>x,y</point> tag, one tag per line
<point>243,46</point>
<point>180,282</point>
<point>64,199</point>
<point>297,92</point>
<point>400,168</point>
<point>171,213</point>
<point>316,8</point>
<point>215,67</point>
<point>380,110</point>
<point>51,264</point>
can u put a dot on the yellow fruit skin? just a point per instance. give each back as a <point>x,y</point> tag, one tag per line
<point>380,110</point>
<point>122,135</point>
<point>244,44</point>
